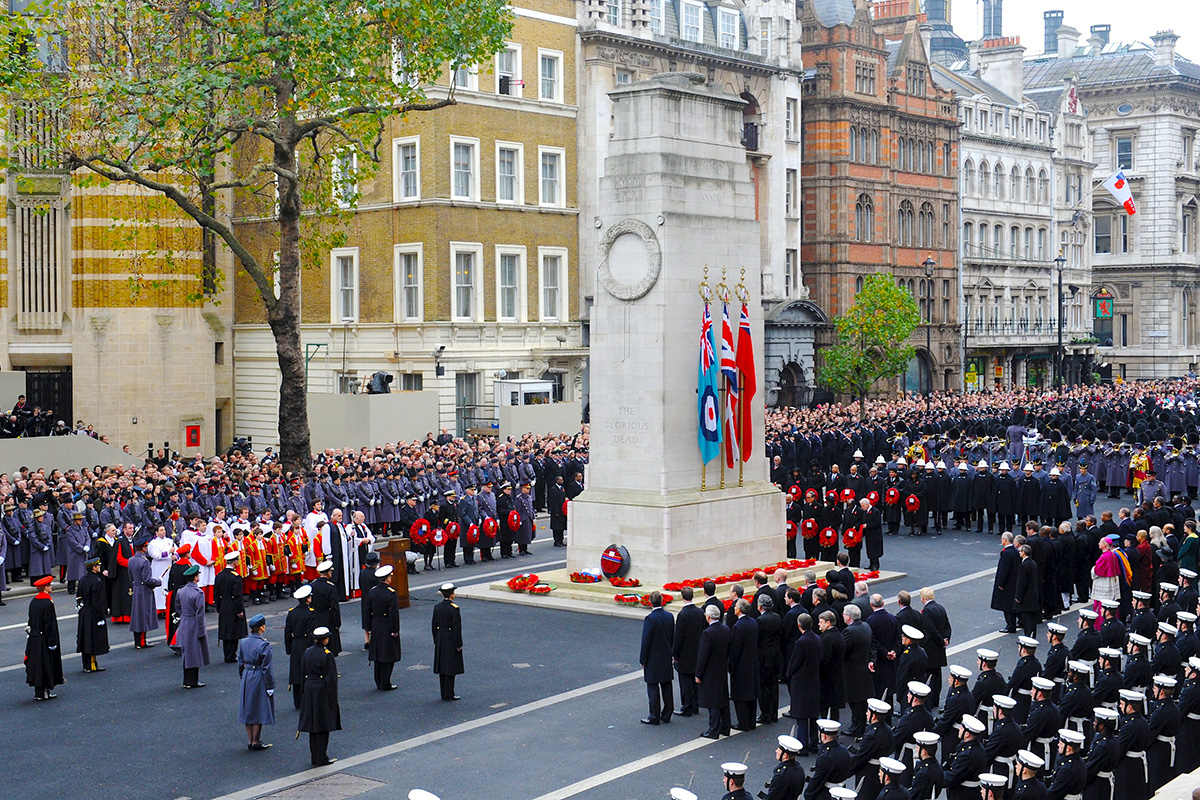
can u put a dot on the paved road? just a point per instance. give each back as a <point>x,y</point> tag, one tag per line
<point>550,708</point>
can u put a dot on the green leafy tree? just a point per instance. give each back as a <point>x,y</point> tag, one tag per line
<point>872,337</point>
<point>212,103</point>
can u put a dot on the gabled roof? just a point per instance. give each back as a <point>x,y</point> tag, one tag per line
<point>964,83</point>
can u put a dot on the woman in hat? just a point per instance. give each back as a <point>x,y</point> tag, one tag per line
<point>192,636</point>
<point>320,713</point>
<point>43,657</point>
<point>256,705</point>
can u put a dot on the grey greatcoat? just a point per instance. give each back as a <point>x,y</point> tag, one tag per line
<point>524,504</point>
<point>192,636</point>
<point>78,545</point>
<point>143,613</point>
<point>255,706</point>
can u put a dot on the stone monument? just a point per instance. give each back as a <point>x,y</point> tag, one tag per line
<point>676,196</point>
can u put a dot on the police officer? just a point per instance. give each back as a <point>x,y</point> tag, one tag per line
<point>787,781</point>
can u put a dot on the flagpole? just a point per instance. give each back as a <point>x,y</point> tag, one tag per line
<point>742,294</point>
<point>723,294</point>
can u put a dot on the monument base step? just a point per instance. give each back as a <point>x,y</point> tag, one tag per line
<point>598,598</point>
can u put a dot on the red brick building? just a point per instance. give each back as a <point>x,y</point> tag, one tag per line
<point>879,174</point>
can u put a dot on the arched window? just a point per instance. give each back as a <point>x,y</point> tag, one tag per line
<point>984,179</point>
<point>1030,187</point>
<point>1014,244</point>
<point>968,178</point>
<point>998,241</point>
<point>853,145</point>
<point>913,156</point>
<point>858,286</point>
<point>998,183</point>
<point>968,238</point>
<point>873,147</point>
<point>1014,192</point>
<point>1029,244</point>
<point>947,167</point>
<point>864,219</point>
<point>926,232</point>
<point>905,224</point>
<point>900,153</point>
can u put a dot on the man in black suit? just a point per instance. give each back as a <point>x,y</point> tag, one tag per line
<point>856,668</point>
<point>1005,583</point>
<point>743,665</point>
<point>712,673</point>
<point>658,634</point>
<point>885,641</point>
<point>937,639</point>
<point>762,589</point>
<point>689,625</point>
<point>710,598</point>
<point>1026,597</point>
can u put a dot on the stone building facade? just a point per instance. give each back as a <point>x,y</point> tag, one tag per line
<point>1143,104</point>
<point>107,311</point>
<point>1007,246</point>
<point>880,181</point>
<point>460,260</point>
<point>749,49</point>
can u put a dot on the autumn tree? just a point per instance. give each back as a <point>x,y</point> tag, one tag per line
<point>202,100</point>
<point>872,337</point>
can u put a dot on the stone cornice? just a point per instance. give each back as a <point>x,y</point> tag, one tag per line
<point>707,56</point>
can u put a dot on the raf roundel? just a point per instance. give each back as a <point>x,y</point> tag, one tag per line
<point>614,561</point>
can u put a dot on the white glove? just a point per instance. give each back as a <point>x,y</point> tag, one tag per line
<point>1,560</point>
<point>45,549</point>
<point>87,548</point>
<point>100,624</point>
<point>53,647</point>
<point>270,692</point>
<point>395,502</point>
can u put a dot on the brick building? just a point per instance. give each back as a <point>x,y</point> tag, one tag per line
<point>880,187</point>
<point>106,309</point>
<point>464,239</point>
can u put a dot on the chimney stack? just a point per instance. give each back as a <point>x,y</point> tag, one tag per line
<point>1102,32</point>
<point>935,10</point>
<point>1164,48</point>
<point>1053,22</point>
<point>1000,62</point>
<point>1068,41</point>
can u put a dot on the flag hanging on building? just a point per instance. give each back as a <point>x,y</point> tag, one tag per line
<point>748,384</point>
<point>1118,186</point>
<point>729,371</point>
<point>709,433</point>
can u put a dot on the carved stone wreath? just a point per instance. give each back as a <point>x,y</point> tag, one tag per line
<point>625,291</point>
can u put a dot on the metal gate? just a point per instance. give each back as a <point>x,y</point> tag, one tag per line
<point>51,389</point>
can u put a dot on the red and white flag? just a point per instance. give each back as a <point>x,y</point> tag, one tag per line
<point>1118,186</point>
<point>748,385</point>
<point>730,371</point>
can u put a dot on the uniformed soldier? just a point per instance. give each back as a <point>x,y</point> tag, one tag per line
<point>1133,737</point>
<point>1103,755</point>
<point>1112,631</point>
<point>967,762</point>
<point>993,786</point>
<point>928,777</point>
<point>1076,705</point>
<point>734,781</point>
<point>1020,685</point>
<point>1087,641</point>
<point>297,633</point>
<point>1188,755</point>
<point>1143,620</point>
<point>384,646</point>
<point>787,781</point>
<point>1164,723</point>
<point>447,642</point>
<point>319,710</point>
<point>1001,746</point>
<point>1167,659</point>
<point>92,636</point>
<point>989,682</point>
<point>1109,682</point>
<point>1070,771</point>
<point>327,610</point>
<point>915,718</point>
<point>1138,671</point>
<point>43,657</point>
<point>959,702</point>
<point>1055,667</point>
<point>875,743</point>
<point>891,776</point>
<point>833,762</point>
<point>1028,786</point>
<point>1043,722</point>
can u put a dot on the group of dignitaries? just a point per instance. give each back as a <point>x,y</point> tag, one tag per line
<point>1113,712</point>
<point>53,522</point>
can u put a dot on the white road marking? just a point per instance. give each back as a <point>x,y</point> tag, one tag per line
<point>270,787</point>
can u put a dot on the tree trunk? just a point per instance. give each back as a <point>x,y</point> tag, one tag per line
<point>295,447</point>
<point>862,406</point>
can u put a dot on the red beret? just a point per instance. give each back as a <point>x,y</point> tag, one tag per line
<point>46,581</point>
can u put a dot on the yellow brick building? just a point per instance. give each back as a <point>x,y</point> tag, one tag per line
<point>105,311</point>
<point>464,238</point>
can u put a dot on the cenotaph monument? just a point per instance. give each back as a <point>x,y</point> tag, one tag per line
<point>676,197</point>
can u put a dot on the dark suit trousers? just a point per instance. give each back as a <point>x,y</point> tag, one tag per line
<point>447,684</point>
<point>231,647</point>
<point>1029,623</point>
<point>745,714</point>
<point>768,693</point>
<point>383,675</point>
<point>935,686</point>
<point>318,748</point>
<point>718,721</point>
<point>662,701</point>
<point>858,718</point>
<point>687,693</point>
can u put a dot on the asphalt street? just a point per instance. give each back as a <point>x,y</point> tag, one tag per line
<point>550,709</point>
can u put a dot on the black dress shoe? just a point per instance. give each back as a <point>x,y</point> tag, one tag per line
<point>387,688</point>
<point>260,746</point>
<point>685,713</point>
<point>710,736</point>
<point>666,719</point>
<point>648,721</point>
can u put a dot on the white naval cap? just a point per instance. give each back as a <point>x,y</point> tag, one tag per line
<point>1110,653</point>
<point>1028,642</point>
<point>320,632</point>
<point>421,794</point>
<point>682,794</point>
<point>1190,574</point>
<point>232,555</point>
<point>789,744</point>
<point>734,769</point>
<point>1168,628</point>
<point>1105,713</point>
<point>1082,667</point>
<point>962,673</point>
<point>325,566</point>
<point>973,724</point>
<point>303,592</point>
<point>1031,760</point>
<point>1055,627</point>
<point>1139,640</point>
<point>1186,616</point>
<point>926,738</point>
<point>1088,614</point>
<point>1070,736</point>
<point>919,689</point>
<point>1042,684</point>
<point>879,706</point>
<point>1169,588</point>
<point>842,793</point>
<point>912,633</point>
<point>1140,595</point>
<point>383,571</point>
<point>829,726</point>
<point>1165,681</point>
<point>1004,701</point>
<point>1194,663</point>
<point>993,781</point>
<point>892,766</point>
<point>1133,696</point>
<point>985,654</point>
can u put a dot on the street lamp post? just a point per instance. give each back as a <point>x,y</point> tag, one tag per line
<point>928,264</point>
<point>1059,262</point>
